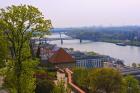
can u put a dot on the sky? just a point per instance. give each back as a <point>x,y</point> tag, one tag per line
<point>78,13</point>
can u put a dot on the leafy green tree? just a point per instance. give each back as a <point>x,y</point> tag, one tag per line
<point>100,80</point>
<point>18,24</point>
<point>61,88</point>
<point>105,80</point>
<point>27,81</point>
<point>3,50</point>
<point>131,85</point>
<point>81,78</point>
<point>3,54</point>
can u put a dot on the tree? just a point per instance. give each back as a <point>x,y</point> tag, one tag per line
<point>105,80</point>
<point>134,65</point>
<point>92,53</point>
<point>100,80</point>
<point>81,78</point>
<point>131,85</point>
<point>3,51</point>
<point>44,86</point>
<point>61,88</point>
<point>138,65</point>
<point>18,24</point>
<point>27,82</point>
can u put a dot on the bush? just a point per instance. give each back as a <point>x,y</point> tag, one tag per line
<point>44,86</point>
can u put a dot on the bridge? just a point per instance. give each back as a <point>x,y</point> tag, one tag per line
<point>60,36</point>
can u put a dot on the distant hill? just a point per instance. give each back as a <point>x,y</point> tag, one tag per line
<point>61,29</point>
<point>119,29</point>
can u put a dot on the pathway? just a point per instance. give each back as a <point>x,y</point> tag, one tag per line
<point>69,72</point>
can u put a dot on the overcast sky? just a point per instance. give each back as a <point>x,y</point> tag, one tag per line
<point>75,13</point>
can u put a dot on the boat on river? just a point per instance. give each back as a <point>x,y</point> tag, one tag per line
<point>121,44</point>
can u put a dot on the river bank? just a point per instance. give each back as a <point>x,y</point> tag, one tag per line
<point>130,43</point>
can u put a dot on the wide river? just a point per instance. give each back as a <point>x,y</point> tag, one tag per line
<point>129,54</point>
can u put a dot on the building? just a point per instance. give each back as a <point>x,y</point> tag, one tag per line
<point>89,61</point>
<point>62,59</point>
<point>49,53</point>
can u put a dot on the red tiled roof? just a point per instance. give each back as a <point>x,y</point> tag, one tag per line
<point>61,56</point>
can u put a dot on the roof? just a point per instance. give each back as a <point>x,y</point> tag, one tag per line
<point>61,56</point>
<point>81,55</point>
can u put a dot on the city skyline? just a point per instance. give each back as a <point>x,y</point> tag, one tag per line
<point>77,13</point>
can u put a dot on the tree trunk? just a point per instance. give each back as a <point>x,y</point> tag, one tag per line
<point>18,71</point>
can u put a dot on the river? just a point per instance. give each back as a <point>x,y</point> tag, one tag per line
<point>128,54</point>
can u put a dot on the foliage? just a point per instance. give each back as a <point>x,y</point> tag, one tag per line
<point>134,65</point>
<point>102,80</point>
<point>105,80</point>
<point>125,34</point>
<point>52,74</point>
<point>81,77</point>
<point>131,85</point>
<point>18,24</point>
<point>92,53</point>
<point>61,88</point>
<point>138,65</point>
<point>44,86</point>
<point>3,51</point>
<point>27,82</point>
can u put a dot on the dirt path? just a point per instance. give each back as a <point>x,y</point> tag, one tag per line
<point>69,72</point>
